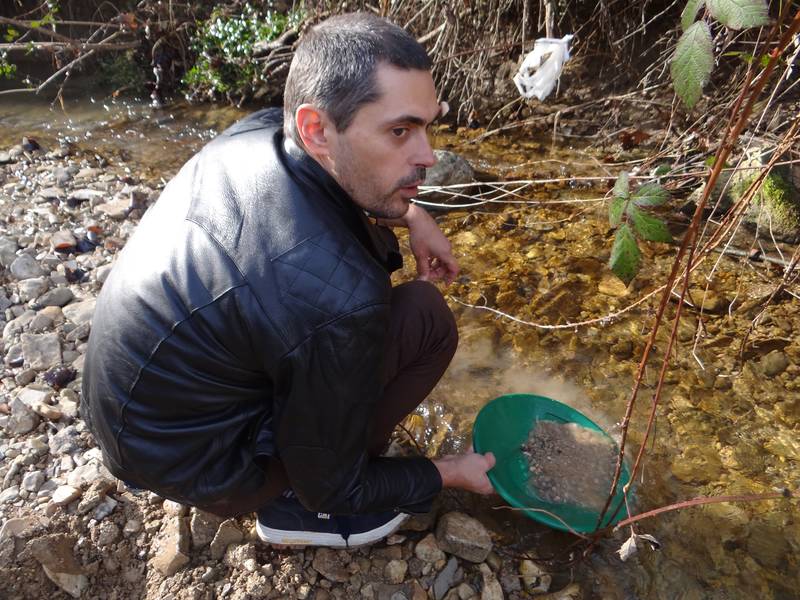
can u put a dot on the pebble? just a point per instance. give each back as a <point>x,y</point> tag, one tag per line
<point>534,577</point>
<point>60,296</point>
<point>428,550</point>
<point>774,363</point>
<point>55,553</point>
<point>26,267</point>
<point>329,564</point>
<point>80,312</point>
<point>22,419</point>
<point>29,289</point>
<point>227,534</point>
<point>170,549</point>
<point>65,494</point>
<point>445,579</point>
<point>395,571</point>
<point>491,587</point>
<point>9,495</point>
<point>463,536</point>
<point>203,526</point>
<point>32,481</point>
<point>41,351</point>
<point>132,526</point>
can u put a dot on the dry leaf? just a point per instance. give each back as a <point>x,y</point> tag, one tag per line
<point>629,548</point>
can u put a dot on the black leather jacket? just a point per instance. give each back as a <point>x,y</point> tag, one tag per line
<point>245,318</point>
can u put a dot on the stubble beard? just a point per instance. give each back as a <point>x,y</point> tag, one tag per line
<point>370,198</point>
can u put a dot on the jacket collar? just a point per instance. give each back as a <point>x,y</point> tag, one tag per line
<point>379,241</point>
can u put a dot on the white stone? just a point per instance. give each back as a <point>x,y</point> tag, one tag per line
<point>41,351</point>
<point>32,288</point>
<point>25,267</point>
<point>65,494</point>
<point>33,481</point>
<point>80,312</point>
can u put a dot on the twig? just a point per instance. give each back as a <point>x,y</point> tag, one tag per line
<point>549,514</point>
<point>73,44</point>
<point>703,500</point>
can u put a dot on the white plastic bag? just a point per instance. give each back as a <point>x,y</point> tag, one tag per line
<point>539,72</point>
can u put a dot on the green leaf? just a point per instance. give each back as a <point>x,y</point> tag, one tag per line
<point>621,186</point>
<point>615,211</point>
<point>662,169</point>
<point>692,63</point>
<point>739,14</point>
<point>625,255</point>
<point>650,194</point>
<point>649,227</point>
<point>690,12</point>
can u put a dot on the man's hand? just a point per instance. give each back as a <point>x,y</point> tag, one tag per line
<point>466,471</point>
<point>430,247</point>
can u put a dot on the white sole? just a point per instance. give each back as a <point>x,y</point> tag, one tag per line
<point>282,537</point>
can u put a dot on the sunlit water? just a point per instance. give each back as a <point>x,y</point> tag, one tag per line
<point>723,426</point>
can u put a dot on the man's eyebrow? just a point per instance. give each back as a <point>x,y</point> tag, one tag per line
<point>413,119</point>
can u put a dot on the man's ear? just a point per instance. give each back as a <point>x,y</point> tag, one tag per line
<point>312,125</point>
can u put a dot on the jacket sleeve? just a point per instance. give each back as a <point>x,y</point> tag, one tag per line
<point>328,388</point>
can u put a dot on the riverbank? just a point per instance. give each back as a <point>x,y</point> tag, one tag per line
<point>728,424</point>
<point>67,524</point>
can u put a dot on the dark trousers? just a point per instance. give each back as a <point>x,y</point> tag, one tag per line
<point>421,342</point>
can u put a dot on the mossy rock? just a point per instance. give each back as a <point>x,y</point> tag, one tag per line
<point>775,208</point>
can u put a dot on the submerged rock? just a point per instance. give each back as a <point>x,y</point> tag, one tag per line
<point>450,169</point>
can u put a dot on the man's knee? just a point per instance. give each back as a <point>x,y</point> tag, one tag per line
<point>423,302</point>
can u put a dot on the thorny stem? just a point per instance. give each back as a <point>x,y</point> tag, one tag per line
<point>750,92</point>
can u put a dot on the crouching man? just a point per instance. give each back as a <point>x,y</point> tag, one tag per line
<point>248,351</point>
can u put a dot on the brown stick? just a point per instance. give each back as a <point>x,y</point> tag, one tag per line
<point>36,28</point>
<point>700,501</point>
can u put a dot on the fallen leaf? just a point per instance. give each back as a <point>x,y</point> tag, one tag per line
<point>628,549</point>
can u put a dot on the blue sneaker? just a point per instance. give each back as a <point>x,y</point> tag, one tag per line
<point>285,522</point>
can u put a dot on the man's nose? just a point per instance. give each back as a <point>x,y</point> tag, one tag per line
<point>424,156</point>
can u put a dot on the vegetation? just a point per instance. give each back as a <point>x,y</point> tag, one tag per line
<point>225,45</point>
<point>627,213</point>
<point>694,57</point>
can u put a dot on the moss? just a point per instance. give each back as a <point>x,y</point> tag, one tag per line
<point>777,198</point>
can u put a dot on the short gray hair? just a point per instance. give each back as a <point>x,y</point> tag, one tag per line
<point>334,66</point>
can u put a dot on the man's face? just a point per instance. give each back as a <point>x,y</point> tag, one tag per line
<point>381,158</point>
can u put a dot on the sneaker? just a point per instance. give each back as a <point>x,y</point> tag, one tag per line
<point>285,522</point>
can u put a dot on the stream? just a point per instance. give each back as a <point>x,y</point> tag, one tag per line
<point>728,419</point>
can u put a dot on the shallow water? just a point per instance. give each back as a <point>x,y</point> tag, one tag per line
<point>724,425</point>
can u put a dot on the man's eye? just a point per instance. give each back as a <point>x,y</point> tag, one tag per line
<point>399,131</point>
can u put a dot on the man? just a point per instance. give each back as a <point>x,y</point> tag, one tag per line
<point>248,352</point>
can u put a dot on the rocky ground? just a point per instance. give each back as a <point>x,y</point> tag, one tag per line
<point>68,527</point>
